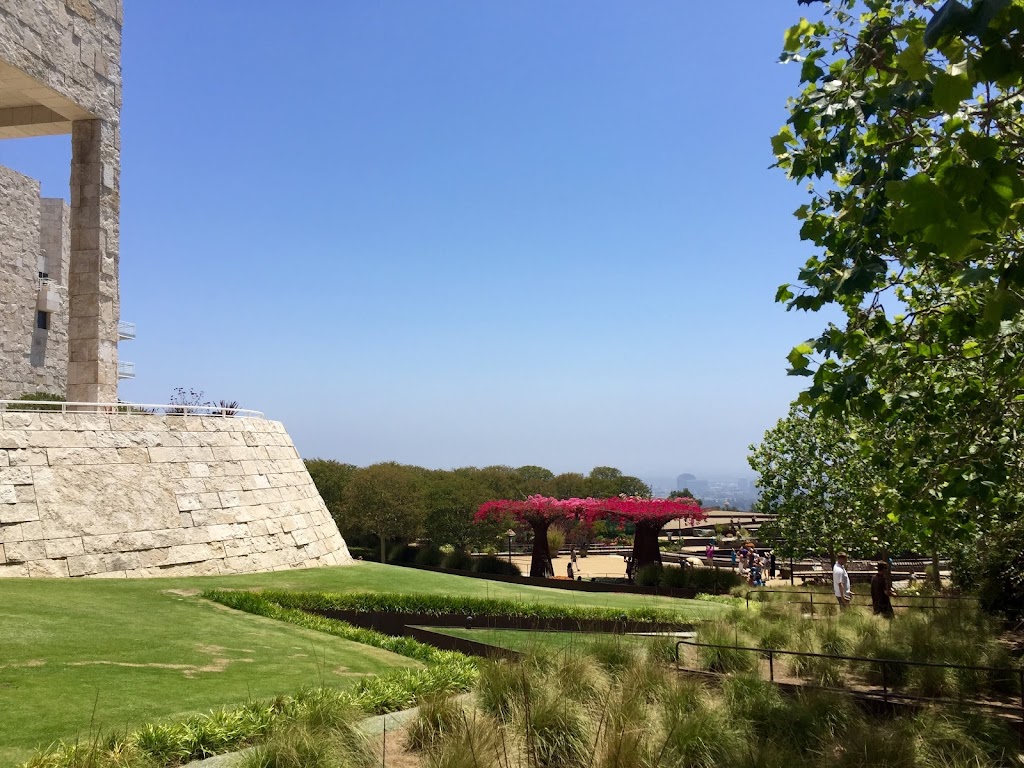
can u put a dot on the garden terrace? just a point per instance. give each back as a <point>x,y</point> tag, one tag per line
<point>949,653</point>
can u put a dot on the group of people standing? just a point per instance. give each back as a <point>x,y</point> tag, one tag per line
<point>751,563</point>
<point>882,590</point>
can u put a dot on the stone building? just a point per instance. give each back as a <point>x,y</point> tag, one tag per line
<point>34,261</point>
<point>97,489</point>
<point>60,73</point>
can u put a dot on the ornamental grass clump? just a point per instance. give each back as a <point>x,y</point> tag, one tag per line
<point>438,718</point>
<point>725,656</point>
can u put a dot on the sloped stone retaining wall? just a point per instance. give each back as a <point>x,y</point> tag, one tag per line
<point>134,495</point>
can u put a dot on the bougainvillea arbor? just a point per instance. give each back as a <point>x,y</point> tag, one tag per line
<point>649,516</point>
<point>539,512</point>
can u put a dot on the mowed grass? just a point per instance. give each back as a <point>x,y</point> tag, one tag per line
<point>79,657</point>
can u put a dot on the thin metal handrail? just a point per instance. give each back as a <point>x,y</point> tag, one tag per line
<point>132,409</point>
<point>812,593</point>
<point>772,652</point>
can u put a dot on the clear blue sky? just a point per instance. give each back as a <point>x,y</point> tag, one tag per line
<point>458,232</point>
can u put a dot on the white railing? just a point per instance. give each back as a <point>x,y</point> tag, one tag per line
<point>125,370</point>
<point>125,331</point>
<point>135,409</point>
<point>50,284</point>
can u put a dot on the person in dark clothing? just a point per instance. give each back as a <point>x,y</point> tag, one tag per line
<point>771,564</point>
<point>882,592</point>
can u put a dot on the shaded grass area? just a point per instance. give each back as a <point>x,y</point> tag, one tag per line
<point>530,641</point>
<point>81,656</point>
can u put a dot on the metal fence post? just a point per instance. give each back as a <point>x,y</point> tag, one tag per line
<point>771,666</point>
<point>812,603</point>
<point>885,684</point>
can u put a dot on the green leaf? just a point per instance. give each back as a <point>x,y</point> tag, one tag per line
<point>950,91</point>
<point>793,36</point>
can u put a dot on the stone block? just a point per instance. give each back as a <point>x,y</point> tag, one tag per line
<point>14,571</point>
<point>4,461</point>
<point>194,553</point>
<point>62,548</point>
<point>80,456</point>
<point>182,455</point>
<point>22,551</point>
<point>28,457</point>
<point>15,476</point>
<point>8,495</point>
<point>48,569</point>
<point>21,512</point>
<point>188,502</point>
<point>255,482</point>
<point>229,499</point>
<point>10,438</point>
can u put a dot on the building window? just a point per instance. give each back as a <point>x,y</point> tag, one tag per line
<point>44,275</point>
<point>43,320</point>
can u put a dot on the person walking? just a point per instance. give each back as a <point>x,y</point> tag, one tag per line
<point>771,564</point>
<point>732,556</point>
<point>841,581</point>
<point>709,551</point>
<point>568,569</point>
<point>882,592</point>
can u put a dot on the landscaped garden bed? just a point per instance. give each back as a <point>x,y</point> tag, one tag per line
<point>950,652</point>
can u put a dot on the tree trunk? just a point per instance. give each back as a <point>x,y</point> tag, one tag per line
<point>540,562</point>
<point>936,580</point>
<point>646,549</point>
<point>383,544</point>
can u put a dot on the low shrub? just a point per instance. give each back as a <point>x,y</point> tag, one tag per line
<point>715,581</point>
<point>459,560</point>
<point>434,605</point>
<point>496,565</point>
<point>648,576</point>
<point>429,556</point>
<point>402,554</point>
<point>674,577</point>
<point>34,401</point>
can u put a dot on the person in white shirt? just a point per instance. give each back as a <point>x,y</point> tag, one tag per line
<point>841,581</point>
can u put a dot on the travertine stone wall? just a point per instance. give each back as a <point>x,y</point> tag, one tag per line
<point>33,239</point>
<point>128,495</point>
<point>72,50</point>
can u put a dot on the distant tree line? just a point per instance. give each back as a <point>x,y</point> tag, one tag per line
<point>391,503</point>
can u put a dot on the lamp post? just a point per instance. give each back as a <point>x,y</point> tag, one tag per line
<point>511,535</point>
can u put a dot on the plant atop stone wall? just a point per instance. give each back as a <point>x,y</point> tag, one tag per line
<point>42,401</point>
<point>183,399</point>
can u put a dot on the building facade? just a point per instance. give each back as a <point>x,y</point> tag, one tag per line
<point>34,261</point>
<point>60,73</point>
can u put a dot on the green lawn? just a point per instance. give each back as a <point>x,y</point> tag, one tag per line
<point>79,656</point>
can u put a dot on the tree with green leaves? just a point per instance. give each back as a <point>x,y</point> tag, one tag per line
<point>908,134</point>
<point>603,482</point>
<point>825,494</point>
<point>330,478</point>
<point>386,500</point>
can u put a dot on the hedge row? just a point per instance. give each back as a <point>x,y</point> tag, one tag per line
<point>439,605</point>
<point>713,581</point>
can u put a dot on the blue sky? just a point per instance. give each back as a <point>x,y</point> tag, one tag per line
<point>452,232</point>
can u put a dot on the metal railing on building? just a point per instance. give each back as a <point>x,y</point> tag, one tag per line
<point>128,409</point>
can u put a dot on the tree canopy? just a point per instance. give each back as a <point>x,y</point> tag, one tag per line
<point>907,133</point>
